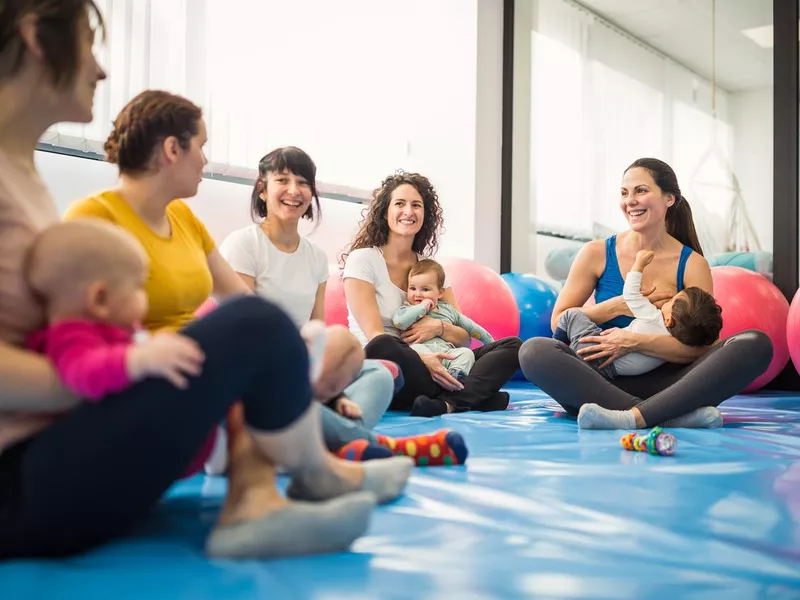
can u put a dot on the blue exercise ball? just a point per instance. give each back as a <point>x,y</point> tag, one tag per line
<point>535,301</point>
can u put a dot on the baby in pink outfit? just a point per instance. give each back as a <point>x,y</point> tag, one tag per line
<point>89,276</point>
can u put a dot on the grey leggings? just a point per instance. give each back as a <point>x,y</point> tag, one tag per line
<point>667,392</point>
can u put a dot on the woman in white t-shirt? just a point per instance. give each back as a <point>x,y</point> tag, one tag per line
<point>401,226</point>
<point>280,265</point>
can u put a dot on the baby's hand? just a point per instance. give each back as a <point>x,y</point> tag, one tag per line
<point>643,258</point>
<point>428,303</point>
<point>168,355</point>
<point>348,408</point>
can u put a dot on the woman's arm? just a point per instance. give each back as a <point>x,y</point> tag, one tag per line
<point>30,384</point>
<point>318,312</point>
<point>249,281</point>
<point>226,281</point>
<point>580,284</point>
<point>363,304</point>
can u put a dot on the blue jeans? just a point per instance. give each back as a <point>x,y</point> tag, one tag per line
<point>372,390</point>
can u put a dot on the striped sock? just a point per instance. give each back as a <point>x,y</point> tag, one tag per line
<point>443,447</point>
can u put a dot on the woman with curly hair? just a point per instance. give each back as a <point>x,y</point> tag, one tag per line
<point>401,227</point>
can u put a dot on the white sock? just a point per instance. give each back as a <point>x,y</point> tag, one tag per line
<point>592,416</point>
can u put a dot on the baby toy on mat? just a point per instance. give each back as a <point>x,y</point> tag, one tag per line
<point>655,442</point>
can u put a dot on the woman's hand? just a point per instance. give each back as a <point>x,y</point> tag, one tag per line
<point>610,344</point>
<point>659,296</point>
<point>347,408</point>
<point>423,330</point>
<point>439,374</point>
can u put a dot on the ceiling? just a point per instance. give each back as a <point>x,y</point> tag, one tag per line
<point>681,29</point>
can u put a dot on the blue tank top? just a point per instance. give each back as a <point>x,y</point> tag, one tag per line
<point>611,281</point>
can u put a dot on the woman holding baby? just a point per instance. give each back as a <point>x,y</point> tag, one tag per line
<point>400,229</point>
<point>693,380</point>
<point>75,474</point>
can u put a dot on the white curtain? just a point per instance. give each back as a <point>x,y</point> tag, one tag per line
<point>600,100</point>
<point>347,81</point>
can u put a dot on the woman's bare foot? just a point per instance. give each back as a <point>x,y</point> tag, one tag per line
<point>256,521</point>
<point>252,492</point>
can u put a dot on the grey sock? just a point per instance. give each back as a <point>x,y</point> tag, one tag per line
<point>592,416</point>
<point>301,528</point>
<point>386,478</point>
<point>705,417</point>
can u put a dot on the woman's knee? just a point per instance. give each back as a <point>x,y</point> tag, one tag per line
<point>537,354</point>
<point>383,346</point>
<point>755,344</point>
<point>511,342</point>
<point>251,316</point>
<point>244,326</point>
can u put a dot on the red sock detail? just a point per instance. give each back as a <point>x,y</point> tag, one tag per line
<point>353,451</point>
<point>427,449</point>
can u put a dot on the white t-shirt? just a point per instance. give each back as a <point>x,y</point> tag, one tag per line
<point>367,264</point>
<point>289,280</point>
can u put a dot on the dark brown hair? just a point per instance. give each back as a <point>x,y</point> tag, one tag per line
<point>680,224</point>
<point>288,158</point>
<point>373,230</point>
<point>428,265</point>
<point>696,320</point>
<point>144,123</point>
<point>58,31</point>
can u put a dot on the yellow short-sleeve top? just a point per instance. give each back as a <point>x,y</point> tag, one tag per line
<point>179,280</point>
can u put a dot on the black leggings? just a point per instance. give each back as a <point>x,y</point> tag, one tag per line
<point>98,470</point>
<point>495,363</point>
<point>669,391</point>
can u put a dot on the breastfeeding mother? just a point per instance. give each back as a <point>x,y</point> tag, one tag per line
<point>687,388</point>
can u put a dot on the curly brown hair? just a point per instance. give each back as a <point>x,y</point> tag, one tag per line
<point>373,230</point>
<point>58,27</point>
<point>144,123</point>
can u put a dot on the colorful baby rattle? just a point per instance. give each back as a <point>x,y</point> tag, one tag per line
<point>655,442</point>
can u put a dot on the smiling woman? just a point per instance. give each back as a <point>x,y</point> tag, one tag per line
<point>683,392</point>
<point>401,228</point>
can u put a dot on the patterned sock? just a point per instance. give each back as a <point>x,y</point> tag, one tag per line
<point>361,450</point>
<point>443,447</point>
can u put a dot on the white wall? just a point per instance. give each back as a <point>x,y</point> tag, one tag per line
<point>444,86</point>
<point>488,132</point>
<point>751,117</point>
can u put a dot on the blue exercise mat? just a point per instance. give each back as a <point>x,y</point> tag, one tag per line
<point>541,510</point>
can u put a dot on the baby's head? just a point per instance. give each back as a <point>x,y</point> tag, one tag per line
<point>693,317</point>
<point>89,268</point>
<point>425,280</point>
<point>341,362</point>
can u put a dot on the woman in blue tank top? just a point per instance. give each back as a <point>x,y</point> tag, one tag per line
<point>687,388</point>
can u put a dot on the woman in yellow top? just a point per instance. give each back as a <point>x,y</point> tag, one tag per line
<point>74,474</point>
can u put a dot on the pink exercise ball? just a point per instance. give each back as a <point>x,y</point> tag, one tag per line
<point>793,331</point>
<point>750,301</point>
<point>335,303</point>
<point>483,296</point>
